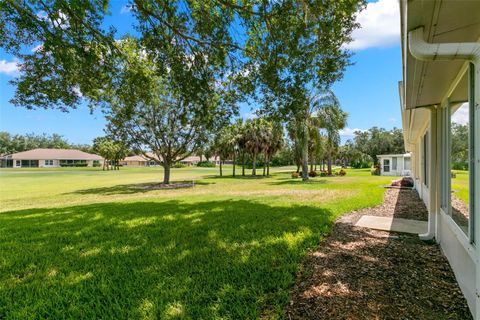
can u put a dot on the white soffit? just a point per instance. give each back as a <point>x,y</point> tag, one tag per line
<point>444,21</point>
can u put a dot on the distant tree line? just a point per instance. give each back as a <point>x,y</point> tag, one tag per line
<point>12,143</point>
<point>363,149</point>
<point>459,151</point>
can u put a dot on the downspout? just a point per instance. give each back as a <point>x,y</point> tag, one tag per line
<point>425,51</point>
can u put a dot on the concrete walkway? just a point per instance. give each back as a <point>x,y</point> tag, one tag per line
<point>392,224</point>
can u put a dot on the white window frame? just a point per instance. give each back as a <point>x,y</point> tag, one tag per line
<point>474,157</point>
<point>389,165</point>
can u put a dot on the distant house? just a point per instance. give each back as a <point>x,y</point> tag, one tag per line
<point>395,164</point>
<point>143,161</point>
<point>191,160</point>
<point>138,161</point>
<point>50,158</point>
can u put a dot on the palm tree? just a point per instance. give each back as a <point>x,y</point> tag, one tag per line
<point>256,136</point>
<point>322,111</point>
<point>294,130</point>
<point>331,118</point>
<point>224,143</point>
<point>275,143</point>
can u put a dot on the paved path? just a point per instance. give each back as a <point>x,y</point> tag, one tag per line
<point>393,224</point>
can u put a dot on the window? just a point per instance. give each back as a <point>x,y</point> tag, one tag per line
<point>425,158</point>
<point>29,163</point>
<point>386,165</point>
<point>407,165</point>
<point>394,163</point>
<point>459,165</point>
<point>49,162</point>
<point>17,163</point>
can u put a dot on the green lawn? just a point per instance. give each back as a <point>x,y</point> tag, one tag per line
<point>82,243</point>
<point>460,185</point>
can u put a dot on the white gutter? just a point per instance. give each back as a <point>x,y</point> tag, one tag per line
<point>425,51</point>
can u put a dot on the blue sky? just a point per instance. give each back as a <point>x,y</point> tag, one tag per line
<point>368,91</point>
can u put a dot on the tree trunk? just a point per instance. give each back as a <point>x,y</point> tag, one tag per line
<point>315,166</point>
<point>243,163</point>
<point>254,166</point>
<point>166,173</point>
<point>201,157</point>
<point>329,166</point>
<point>298,168</point>
<point>103,164</point>
<point>234,157</point>
<point>264,165</point>
<point>221,171</point>
<point>268,166</point>
<point>305,154</point>
<point>311,166</point>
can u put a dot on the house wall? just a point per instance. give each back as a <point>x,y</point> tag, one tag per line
<point>43,164</point>
<point>399,171</point>
<point>456,245</point>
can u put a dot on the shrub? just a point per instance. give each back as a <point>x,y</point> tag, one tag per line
<point>376,171</point>
<point>312,174</point>
<point>295,175</point>
<point>206,164</point>
<point>323,173</point>
<point>73,164</point>
<point>342,172</point>
<point>453,174</point>
<point>179,165</point>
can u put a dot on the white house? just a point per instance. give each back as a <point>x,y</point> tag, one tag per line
<point>50,158</point>
<point>441,90</point>
<point>395,164</point>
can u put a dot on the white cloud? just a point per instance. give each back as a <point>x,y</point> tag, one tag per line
<point>37,48</point>
<point>379,25</point>
<point>392,120</point>
<point>125,9</point>
<point>9,68</point>
<point>350,132</point>
<point>250,115</point>
<point>60,22</point>
<point>461,115</point>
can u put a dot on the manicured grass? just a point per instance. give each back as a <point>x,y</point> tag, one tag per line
<point>460,185</point>
<point>85,244</point>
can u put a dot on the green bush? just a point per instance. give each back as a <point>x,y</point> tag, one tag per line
<point>312,174</point>
<point>342,172</point>
<point>179,165</point>
<point>295,175</point>
<point>323,173</point>
<point>73,164</point>
<point>206,164</point>
<point>453,174</point>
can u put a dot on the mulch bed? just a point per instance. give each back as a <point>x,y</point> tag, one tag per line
<point>360,273</point>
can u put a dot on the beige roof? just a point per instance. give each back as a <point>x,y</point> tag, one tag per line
<point>135,158</point>
<point>191,159</point>
<point>54,154</point>
<point>140,157</point>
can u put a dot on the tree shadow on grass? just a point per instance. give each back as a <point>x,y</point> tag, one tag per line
<point>239,176</point>
<point>136,188</point>
<point>293,182</point>
<point>218,259</point>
